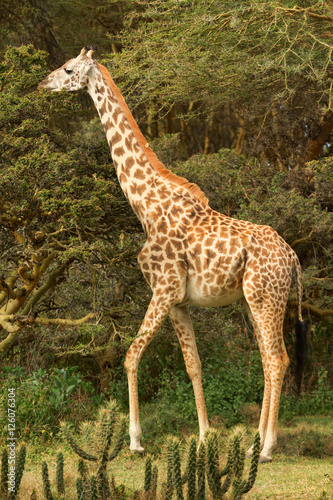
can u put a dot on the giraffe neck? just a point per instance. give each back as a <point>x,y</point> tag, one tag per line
<point>142,177</point>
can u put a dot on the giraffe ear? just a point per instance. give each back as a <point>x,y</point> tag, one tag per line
<point>92,51</point>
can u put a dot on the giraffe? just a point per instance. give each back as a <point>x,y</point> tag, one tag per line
<point>193,255</point>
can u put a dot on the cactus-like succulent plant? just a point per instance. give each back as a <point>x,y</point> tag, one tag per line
<point>98,436</point>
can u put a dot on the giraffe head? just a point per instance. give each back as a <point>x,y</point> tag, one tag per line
<point>73,75</point>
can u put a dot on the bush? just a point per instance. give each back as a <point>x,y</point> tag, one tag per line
<point>44,398</point>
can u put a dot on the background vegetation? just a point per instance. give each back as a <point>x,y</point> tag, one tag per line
<point>235,96</point>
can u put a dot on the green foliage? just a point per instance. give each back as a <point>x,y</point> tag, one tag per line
<point>58,202</point>
<point>253,49</point>
<point>46,398</point>
<point>48,26</point>
<point>259,72</point>
<point>46,181</point>
<point>228,385</point>
<point>65,382</point>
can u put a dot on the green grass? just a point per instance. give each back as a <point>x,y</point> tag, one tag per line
<point>294,478</point>
<point>295,473</point>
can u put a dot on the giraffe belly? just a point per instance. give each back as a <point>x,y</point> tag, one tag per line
<point>205,297</point>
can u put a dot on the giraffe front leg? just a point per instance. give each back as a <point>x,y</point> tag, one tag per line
<point>156,313</point>
<point>183,327</point>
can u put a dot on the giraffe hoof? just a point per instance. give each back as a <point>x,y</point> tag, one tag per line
<point>264,460</point>
<point>249,452</point>
<point>139,450</point>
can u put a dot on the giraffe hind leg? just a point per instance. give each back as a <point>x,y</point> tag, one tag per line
<point>267,388</point>
<point>269,328</point>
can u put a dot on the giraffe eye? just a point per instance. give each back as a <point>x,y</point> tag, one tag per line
<point>68,71</point>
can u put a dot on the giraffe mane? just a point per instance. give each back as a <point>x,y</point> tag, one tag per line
<point>155,163</point>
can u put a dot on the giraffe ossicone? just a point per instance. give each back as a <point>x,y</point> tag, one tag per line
<point>192,255</point>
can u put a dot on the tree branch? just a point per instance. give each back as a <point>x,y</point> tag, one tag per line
<point>316,311</point>
<point>302,240</point>
<point>50,283</point>
<point>13,323</point>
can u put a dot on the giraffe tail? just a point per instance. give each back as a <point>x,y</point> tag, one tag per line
<point>301,329</point>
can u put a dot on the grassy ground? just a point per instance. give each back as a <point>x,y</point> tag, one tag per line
<point>302,467</point>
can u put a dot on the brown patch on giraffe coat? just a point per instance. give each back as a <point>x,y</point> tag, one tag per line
<point>160,240</point>
<point>136,147</point>
<point>138,174</point>
<point>208,242</point>
<point>156,214</point>
<point>157,258</point>
<point>191,213</point>
<point>129,162</point>
<point>209,277</point>
<point>167,267</point>
<point>190,239</point>
<point>107,124</point>
<point>129,142</point>
<point>119,151</point>
<point>176,233</point>
<point>166,204</point>
<point>210,254</point>
<point>102,109</point>
<point>164,192</point>
<point>162,227</point>
<point>234,244</point>
<point>142,162</point>
<point>169,252</point>
<point>137,188</point>
<point>116,114</point>
<point>141,189</point>
<point>176,210</point>
<point>200,233</point>
<point>156,248</point>
<point>173,221</point>
<point>115,138</point>
<point>177,244</point>
<point>122,178</point>
<point>221,246</point>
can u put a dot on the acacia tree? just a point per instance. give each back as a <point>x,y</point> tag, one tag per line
<point>260,72</point>
<point>61,27</point>
<point>60,208</point>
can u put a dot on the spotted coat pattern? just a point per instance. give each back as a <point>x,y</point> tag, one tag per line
<point>192,256</point>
